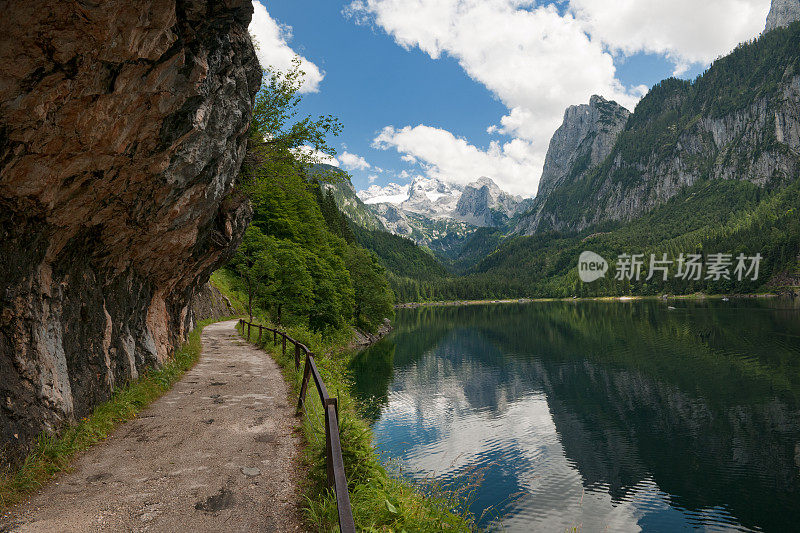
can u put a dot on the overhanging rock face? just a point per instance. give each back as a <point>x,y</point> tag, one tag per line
<point>122,128</point>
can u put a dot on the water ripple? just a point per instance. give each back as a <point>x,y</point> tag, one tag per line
<point>602,417</point>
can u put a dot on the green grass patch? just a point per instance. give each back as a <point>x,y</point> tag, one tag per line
<point>53,454</point>
<point>226,284</point>
<point>381,500</point>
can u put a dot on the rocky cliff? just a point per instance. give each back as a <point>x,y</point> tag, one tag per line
<point>346,197</point>
<point>739,121</point>
<point>209,302</point>
<point>484,204</point>
<point>782,13</point>
<point>584,139</point>
<point>587,135</point>
<point>122,128</point>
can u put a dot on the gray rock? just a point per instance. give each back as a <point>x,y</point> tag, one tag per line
<point>756,141</point>
<point>431,198</point>
<point>484,204</point>
<point>782,13</point>
<point>208,302</point>
<point>439,212</point>
<point>394,219</point>
<point>588,132</point>
<point>251,472</point>
<point>585,138</point>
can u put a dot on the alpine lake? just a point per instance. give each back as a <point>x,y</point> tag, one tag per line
<point>596,416</point>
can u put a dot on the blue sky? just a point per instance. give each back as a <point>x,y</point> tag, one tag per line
<point>417,83</point>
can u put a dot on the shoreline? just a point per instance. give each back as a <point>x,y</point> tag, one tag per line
<point>371,484</point>
<point>362,339</point>
<point>698,296</point>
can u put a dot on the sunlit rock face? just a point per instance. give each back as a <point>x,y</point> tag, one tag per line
<point>584,139</point>
<point>677,137</point>
<point>484,204</point>
<point>782,13</point>
<point>122,128</point>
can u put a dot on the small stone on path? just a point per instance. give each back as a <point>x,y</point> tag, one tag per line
<point>251,472</point>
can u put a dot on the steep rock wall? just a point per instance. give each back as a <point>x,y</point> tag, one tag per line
<point>588,132</point>
<point>739,121</point>
<point>209,302</point>
<point>782,13</point>
<point>584,139</point>
<point>484,204</point>
<point>122,128</point>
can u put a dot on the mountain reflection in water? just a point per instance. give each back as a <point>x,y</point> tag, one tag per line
<point>625,416</point>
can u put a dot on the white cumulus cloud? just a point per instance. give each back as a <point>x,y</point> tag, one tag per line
<point>450,158</point>
<point>353,162</point>
<point>271,40</point>
<point>686,31</point>
<point>538,61</point>
<point>313,156</point>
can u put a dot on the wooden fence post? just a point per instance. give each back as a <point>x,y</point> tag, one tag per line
<point>297,357</point>
<point>283,335</point>
<point>329,403</point>
<point>336,465</point>
<point>274,337</point>
<point>304,384</point>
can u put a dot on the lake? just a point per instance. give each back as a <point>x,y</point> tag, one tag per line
<point>617,416</point>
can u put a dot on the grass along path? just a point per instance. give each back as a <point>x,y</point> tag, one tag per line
<point>53,454</point>
<point>381,501</point>
<point>215,453</point>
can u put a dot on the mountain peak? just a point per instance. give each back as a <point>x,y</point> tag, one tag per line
<point>587,130</point>
<point>483,181</point>
<point>484,203</point>
<point>782,13</point>
<point>596,100</point>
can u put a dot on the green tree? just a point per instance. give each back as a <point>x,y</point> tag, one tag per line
<point>279,143</point>
<point>374,300</point>
<point>294,291</point>
<point>255,264</point>
<point>295,259</point>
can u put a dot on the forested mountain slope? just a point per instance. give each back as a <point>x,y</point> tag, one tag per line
<point>720,216</point>
<point>349,203</point>
<point>709,166</point>
<point>702,167</point>
<point>738,121</point>
<point>400,255</point>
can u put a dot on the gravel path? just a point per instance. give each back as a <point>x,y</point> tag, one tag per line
<point>216,453</point>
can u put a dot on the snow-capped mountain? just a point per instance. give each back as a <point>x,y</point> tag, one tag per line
<point>440,215</point>
<point>390,194</point>
<point>484,204</point>
<point>430,197</point>
<point>481,203</point>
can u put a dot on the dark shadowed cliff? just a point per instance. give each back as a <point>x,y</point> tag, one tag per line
<point>122,128</point>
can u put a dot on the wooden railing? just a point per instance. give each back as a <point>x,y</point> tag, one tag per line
<point>333,444</point>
